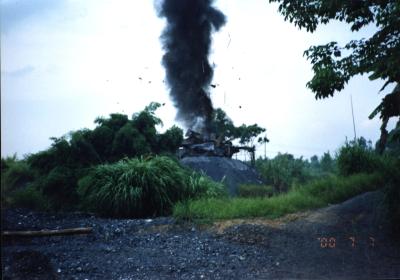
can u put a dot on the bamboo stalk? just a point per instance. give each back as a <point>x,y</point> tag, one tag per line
<point>47,232</point>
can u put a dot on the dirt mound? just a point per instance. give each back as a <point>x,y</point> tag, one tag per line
<point>232,172</point>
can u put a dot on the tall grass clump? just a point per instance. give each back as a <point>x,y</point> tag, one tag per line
<point>141,187</point>
<point>200,185</point>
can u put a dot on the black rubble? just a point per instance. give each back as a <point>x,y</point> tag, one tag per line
<point>161,248</point>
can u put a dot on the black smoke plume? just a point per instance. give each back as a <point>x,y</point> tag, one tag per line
<point>187,40</point>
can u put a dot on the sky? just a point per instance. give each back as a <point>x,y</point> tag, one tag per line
<point>64,63</point>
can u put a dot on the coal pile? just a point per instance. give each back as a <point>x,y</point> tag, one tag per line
<point>233,172</point>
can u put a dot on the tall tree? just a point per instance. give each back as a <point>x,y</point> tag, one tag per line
<point>334,65</point>
<point>245,134</point>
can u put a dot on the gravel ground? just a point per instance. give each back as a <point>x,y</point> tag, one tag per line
<point>312,245</point>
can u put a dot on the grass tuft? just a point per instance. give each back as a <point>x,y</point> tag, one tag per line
<point>142,187</point>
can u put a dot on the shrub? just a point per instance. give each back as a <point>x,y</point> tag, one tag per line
<point>141,187</point>
<point>355,158</point>
<point>255,191</point>
<point>283,171</point>
<point>16,175</point>
<point>60,188</point>
<point>29,197</point>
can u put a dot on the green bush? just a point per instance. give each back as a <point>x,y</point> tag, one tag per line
<point>283,171</point>
<point>59,186</point>
<point>141,187</point>
<point>355,158</point>
<point>16,175</point>
<point>255,191</point>
<point>30,198</point>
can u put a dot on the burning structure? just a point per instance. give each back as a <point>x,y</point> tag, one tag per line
<point>187,41</point>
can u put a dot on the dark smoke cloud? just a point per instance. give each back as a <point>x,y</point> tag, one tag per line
<point>187,40</point>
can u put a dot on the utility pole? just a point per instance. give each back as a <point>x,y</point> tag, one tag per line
<point>265,147</point>
<point>352,114</point>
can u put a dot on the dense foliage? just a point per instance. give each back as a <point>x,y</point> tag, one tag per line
<point>142,187</point>
<point>284,170</point>
<point>54,173</point>
<point>112,139</point>
<point>58,169</point>
<point>334,65</point>
<point>356,157</point>
<point>244,134</point>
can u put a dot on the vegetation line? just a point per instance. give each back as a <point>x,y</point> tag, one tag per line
<point>313,195</point>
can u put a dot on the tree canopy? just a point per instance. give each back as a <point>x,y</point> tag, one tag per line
<point>334,65</point>
<point>245,134</point>
<point>114,138</point>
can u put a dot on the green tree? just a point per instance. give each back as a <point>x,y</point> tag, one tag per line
<point>248,133</point>
<point>334,65</point>
<point>102,138</point>
<point>357,157</point>
<point>223,124</point>
<point>145,123</point>
<point>56,171</point>
<point>129,142</point>
<point>82,150</point>
<point>314,162</point>
<point>170,140</point>
<point>245,134</point>
<point>114,122</point>
<point>327,162</point>
<point>283,171</point>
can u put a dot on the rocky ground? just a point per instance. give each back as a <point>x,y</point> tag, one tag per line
<point>345,241</point>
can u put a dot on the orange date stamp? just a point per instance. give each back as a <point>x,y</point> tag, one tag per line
<point>331,242</point>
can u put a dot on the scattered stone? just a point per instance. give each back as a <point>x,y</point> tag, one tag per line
<point>245,251</point>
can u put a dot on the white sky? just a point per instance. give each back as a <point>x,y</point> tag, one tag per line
<point>64,63</point>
